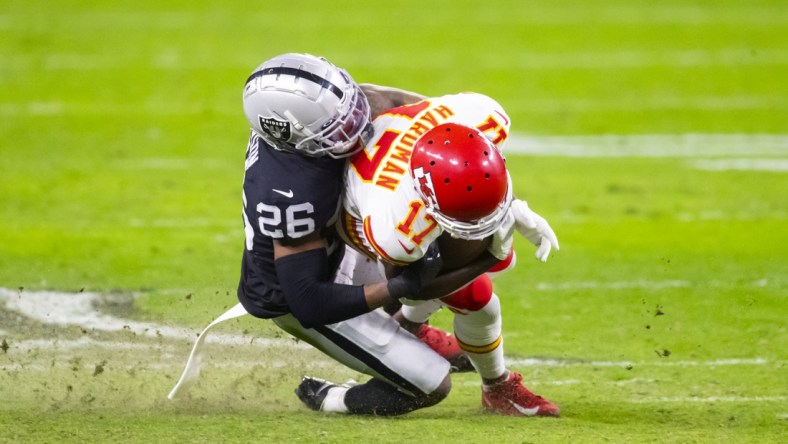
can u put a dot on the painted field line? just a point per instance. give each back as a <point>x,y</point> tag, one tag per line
<point>544,14</point>
<point>643,284</point>
<point>247,360</point>
<point>621,285</point>
<point>642,59</point>
<point>170,59</point>
<point>706,399</point>
<point>70,345</point>
<point>193,222</point>
<point>679,102</point>
<point>535,362</point>
<point>172,364</point>
<point>16,110</point>
<point>651,145</point>
<point>82,343</point>
<point>774,165</point>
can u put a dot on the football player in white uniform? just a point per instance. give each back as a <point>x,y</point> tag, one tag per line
<point>434,170</point>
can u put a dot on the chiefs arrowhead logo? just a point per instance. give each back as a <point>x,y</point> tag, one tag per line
<point>425,187</point>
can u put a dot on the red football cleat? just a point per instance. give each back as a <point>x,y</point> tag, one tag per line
<point>510,397</point>
<point>442,342</point>
<point>445,344</point>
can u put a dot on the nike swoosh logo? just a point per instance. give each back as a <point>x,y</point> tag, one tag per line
<point>288,193</point>
<point>523,410</point>
<point>407,250</point>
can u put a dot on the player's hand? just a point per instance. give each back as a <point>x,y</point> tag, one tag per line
<point>409,283</point>
<point>534,228</point>
<point>503,238</point>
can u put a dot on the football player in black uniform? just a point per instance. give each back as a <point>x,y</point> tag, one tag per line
<point>306,116</point>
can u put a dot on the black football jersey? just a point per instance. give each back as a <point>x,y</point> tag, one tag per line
<point>286,196</point>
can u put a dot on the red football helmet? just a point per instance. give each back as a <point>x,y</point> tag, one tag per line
<point>462,179</point>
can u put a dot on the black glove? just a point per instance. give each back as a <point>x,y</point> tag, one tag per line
<point>409,283</point>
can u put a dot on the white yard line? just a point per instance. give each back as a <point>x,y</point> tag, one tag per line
<point>651,145</point>
<point>172,58</point>
<point>15,110</point>
<point>192,222</point>
<point>706,399</point>
<point>245,360</point>
<point>534,362</point>
<point>642,59</point>
<point>543,14</point>
<point>773,165</point>
<point>643,284</point>
<point>679,102</point>
<point>620,285</point>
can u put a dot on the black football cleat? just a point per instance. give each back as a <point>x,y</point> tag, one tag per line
<point>312,392</point>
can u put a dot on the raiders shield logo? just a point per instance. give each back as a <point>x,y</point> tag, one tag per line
<point>277,129</point>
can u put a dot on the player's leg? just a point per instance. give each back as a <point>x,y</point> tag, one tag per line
<point>478,328</point>
<point>407,375</point>
<point>414,319</point>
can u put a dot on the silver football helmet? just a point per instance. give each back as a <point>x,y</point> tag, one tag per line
<point>302,103</point>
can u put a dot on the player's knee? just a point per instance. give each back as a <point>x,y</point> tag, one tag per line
<point>481,326</point>
<point>472,297</point>
<point>440,393</point>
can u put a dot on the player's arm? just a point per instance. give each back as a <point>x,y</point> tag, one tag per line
<point>381,98</point>
<point>451,281</point>
<point>463,262</point>
<point>305,278</point>
<point>302,268</point>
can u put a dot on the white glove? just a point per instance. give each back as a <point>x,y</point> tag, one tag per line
<point>503,238</point>
<point>534,228</point>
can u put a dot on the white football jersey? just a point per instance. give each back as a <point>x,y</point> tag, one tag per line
<point>383,215</point>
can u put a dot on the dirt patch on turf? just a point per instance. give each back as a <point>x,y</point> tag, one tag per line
<point>85,352</point>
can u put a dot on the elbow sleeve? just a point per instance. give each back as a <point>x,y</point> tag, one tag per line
<point>313,298</point>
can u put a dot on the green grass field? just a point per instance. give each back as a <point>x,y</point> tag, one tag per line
<point>652,135</point>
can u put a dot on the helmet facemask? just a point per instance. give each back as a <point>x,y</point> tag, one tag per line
<point>339,136</point>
